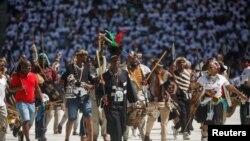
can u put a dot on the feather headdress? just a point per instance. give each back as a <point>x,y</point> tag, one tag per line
<point>114,43</point>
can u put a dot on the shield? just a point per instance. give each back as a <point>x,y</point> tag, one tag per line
<point>235,102</point>
<point>227,96</point>
<point>135,115</point>
<point>194,103</point>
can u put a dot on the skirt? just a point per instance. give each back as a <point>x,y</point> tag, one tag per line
<point>201,115</point>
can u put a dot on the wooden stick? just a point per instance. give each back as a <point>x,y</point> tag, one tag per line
<point>103,36</point>
<point>100,50</point>
<point>164,53</point>
<point>228,72</point>
<point>43,48</point>
<point>34,49</point>
<point>99,40</point>
<point>98,59</point>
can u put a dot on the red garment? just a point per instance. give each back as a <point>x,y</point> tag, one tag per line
<point>29,82</point>
<point>50,74</point>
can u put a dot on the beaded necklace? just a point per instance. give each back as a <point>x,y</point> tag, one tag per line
<point>78,71</point>
<point>115,75</point>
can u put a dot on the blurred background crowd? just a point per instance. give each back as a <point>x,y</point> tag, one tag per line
<point>206,26</point>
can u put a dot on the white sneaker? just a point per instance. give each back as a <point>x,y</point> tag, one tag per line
<point>134,132</point>
<point>175,133</point>
<point>186,136</point>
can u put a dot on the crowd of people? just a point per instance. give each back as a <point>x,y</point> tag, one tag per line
<point>105,97</point>
<point>120,83</point>
<point>151,93</point>
<point>151,26</point>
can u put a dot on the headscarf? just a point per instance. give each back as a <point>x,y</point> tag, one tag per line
<point>43,55</point>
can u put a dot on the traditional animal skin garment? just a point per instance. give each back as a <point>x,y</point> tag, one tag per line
<point>136,76</point>
<point>156,81</point>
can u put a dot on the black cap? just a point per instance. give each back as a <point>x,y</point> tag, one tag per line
<point>89,59</point>
<point>245,59</point>
<point>115,51</point>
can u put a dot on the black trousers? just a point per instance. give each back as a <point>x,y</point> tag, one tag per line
<point>244,112</point>
<point>41,127</point>
<point>184,109</point>
<point>116,122</point>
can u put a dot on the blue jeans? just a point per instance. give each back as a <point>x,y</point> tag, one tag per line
<point>26,111</point>
<point>83,103</point>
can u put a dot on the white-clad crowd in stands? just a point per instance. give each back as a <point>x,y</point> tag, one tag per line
<point>151,25</point>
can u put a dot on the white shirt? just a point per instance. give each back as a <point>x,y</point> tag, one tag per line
<point>214,83</point>
<point>243,78</point>
<point>3,83</point>
<point>245,74</point>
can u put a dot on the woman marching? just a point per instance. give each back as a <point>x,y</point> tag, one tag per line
<point>210,111</point>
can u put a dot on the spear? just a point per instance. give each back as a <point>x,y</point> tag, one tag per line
<point>194,102</point>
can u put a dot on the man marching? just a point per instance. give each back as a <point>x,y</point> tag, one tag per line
<point>26,86</point>
<point>117,90</point>
<point>137,73</point>
<point>78,83</point>
<point>157,106</point>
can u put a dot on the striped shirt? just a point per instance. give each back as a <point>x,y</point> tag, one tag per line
<point>183,80</point>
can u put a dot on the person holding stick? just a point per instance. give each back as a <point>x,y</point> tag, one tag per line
<point>157,106</point>
<point>115,89</point>
<point>98,68</point>
<point>183,75</point>
<point>137,73</point>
